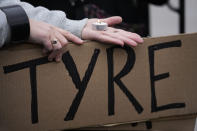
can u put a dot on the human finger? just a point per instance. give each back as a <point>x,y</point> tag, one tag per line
<point>47,42</point>
<point>132,36</point>
<point>106,39</point>
<point>55,55</point>
<point>56,44</point>
<point>56,48</point>
<point>44,51</point>
<point>63,41</point>
<point>47,45</point>
<point>59,56</point>
<point>113,20</point>
<point>69,36</point>
<point>126,40</point>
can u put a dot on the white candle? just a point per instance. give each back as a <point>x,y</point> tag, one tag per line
<point>99,25</point>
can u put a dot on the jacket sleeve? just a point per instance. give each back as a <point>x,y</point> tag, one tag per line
<point>55,17</point>
<point>4,29</point>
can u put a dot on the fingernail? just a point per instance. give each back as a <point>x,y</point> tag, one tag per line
<point>134,44</point>
<point>81,41</point>
<point>122,45</point>
<point>141,40</point>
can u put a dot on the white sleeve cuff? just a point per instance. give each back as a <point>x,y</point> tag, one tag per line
<point>75,26</point>
<point>4,29</point>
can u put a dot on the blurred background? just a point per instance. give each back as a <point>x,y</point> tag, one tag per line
<point>164,21</point>
<point>145,17</point>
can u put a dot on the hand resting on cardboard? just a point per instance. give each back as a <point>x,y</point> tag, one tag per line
<point>43,33</point>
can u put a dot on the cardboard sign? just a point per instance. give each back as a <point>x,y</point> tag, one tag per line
<point>98,84</point>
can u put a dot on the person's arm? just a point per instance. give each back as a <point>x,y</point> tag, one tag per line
<point>17,27</point>
<point>56,18</point>
<point>82,29</point>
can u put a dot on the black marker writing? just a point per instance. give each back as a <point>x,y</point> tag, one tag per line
<point>32,68</point>
<point>80,85</point>
<point>111,79</point>
<point>153,77</point>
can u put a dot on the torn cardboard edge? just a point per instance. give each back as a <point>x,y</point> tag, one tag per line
<point>171,118</point>
<point>184,124</point>
<point>172,123</point>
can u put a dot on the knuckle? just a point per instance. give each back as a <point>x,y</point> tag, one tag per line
<point>119,30</point>
<point>64,43</point>
<point>48,29</point>
<point>51,28</point>
<point>67,33</point>
<point>47,36</point>
<point>134,34</point>
<point>57,47</point>
<point>48,47</point>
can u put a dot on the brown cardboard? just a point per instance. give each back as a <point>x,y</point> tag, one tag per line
<point>56,90</point>
<point>168,125</point>
<point>171,125</point>
<point>178,123</point>
<point>183,124</point>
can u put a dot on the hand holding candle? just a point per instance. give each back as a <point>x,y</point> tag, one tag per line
<point>104,32</point>
<point>99,26</point>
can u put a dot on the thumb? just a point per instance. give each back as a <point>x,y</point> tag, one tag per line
<point>113,20</point>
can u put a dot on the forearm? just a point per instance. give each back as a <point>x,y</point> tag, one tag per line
<point>56,18</point>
